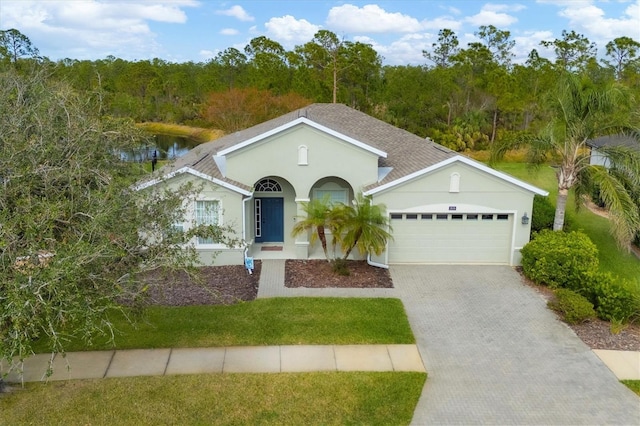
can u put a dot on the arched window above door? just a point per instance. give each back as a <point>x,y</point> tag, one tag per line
<point>268,185</point>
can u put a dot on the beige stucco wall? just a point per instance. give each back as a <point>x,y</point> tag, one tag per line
<point>327,156</point>
<point>478,192</point>
<point>231,215</point>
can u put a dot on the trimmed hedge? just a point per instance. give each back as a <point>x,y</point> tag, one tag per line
<point>560,259</point>
<point>612,297</point>
<point>574,307</point>
<point>543,213</point>
<point>569,260</point>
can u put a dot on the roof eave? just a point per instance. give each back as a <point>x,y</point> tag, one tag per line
<point>464,160</point>
<point>293,123</point>
<point>196,173</point>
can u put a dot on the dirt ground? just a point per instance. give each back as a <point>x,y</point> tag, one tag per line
<point>318,273</point>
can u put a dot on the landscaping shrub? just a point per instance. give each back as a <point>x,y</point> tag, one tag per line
<point>612,297</point>
<point>574,307</point>
<point>340,267</point>
<point>559,259</point>
<point>543,213</point>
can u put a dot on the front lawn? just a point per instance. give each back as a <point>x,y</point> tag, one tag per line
<point>220,399</point>
<point>277,321</point>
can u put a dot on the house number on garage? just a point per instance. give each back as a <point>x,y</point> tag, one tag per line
<point>452,208</point>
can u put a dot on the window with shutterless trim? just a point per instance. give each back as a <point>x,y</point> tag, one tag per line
<point>335,196</point>
<point>207,213</point>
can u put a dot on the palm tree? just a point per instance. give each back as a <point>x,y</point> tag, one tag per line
<point>363,225</point>
<point>580,111</point>
<point>318,213</point>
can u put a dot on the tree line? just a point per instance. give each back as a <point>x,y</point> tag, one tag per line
<point>466,98</point>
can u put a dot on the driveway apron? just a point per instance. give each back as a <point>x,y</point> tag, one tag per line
<point>496,355</point>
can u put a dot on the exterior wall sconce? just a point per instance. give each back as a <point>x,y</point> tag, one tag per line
<point>525,219</point>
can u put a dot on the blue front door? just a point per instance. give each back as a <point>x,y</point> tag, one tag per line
<point>269,220</point>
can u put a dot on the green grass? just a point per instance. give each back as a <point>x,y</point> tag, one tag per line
<point>196,133</point>
<point>220,399</point>
<point>277,321</point>
<point>634,385</point>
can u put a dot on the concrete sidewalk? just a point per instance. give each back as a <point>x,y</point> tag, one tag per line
<point>241,359</point>
<point>624,364</point>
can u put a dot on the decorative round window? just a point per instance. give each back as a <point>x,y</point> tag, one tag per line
<point>268,185</point>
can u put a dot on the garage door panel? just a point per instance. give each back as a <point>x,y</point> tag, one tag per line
<point>451,240</point>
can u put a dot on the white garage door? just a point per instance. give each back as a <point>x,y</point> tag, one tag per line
<point>451,238</point>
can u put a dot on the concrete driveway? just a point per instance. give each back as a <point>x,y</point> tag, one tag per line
<point>496,355</point>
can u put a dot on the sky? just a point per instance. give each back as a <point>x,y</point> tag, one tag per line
<point>197,30</point>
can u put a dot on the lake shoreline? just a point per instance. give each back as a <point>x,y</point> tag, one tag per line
<point>197,134</point>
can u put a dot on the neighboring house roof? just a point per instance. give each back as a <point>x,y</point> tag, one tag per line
<point>400,153</point>
<point>614,141</point>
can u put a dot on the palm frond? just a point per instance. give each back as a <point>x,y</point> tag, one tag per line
<point>624,212</point>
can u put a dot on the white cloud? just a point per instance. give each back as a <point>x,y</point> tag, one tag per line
<point>370,18</point>
<point>455,10</point>
<point>591,20</point>
<point>229,31</point>
<point>290,31</point>
<point>511,7</point>
<point>407,50</point>
<point>441,23</point>
<point>237,12</point>
<point>530,40</point>
<point>82,28</point>
<point>494,14</point>
<point>208,54</point>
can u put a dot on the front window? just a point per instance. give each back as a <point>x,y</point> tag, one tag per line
<point>207,214</point>
<point>334,196</point>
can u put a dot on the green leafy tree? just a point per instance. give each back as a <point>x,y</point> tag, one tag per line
<point>499,43</point>
<point>267,65</point>
<point>15,45</point>
<point>317,220</point>
<point>363,75</point>
<point>75,233</point>
<point>363,225</point>
<point>622,51</point>
<point>328,64</point>
<point>444,50</point>
<point>573,51</point>
<point>579,111</point>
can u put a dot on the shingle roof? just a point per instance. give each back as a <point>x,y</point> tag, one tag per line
<point>614,141</point>
<point>406,153</point>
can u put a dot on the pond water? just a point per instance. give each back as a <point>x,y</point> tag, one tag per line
<point>166,147</point>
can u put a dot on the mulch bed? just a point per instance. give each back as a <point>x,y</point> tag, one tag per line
<point>218,285</point>
<point>597,333</point>
<point>316,273</point>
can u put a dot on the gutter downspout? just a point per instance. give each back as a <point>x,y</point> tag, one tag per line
<point>244,223</point>
<point>376,264</point>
